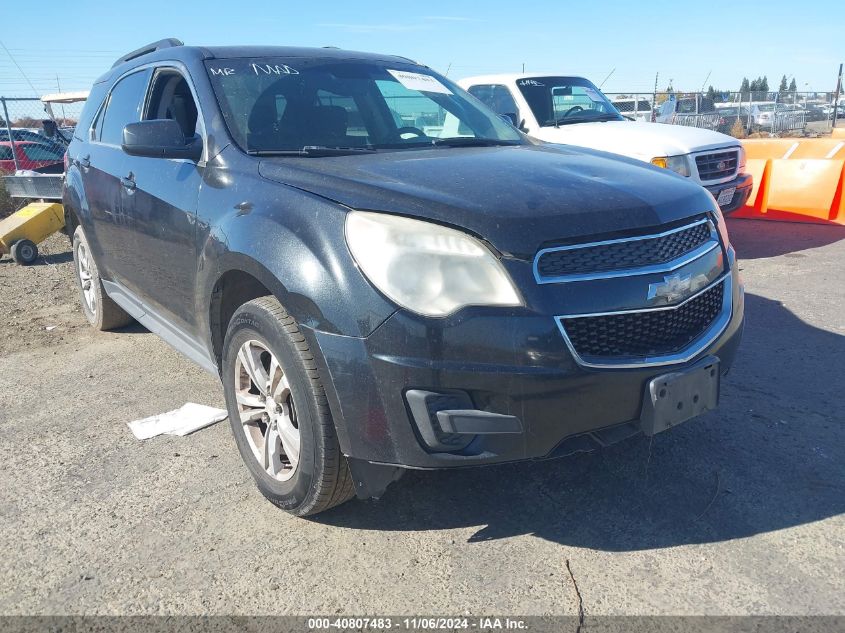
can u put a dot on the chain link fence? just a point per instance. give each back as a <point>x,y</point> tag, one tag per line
<point>743,115</point>
<point>34,135</point>
<point>34,132</point>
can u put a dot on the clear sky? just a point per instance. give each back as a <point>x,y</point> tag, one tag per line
<point>683,41</point>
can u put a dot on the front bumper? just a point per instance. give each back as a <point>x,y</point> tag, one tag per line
<point>742,184</point>
<point>513,363</point>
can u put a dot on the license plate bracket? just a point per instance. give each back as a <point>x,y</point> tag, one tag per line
<point>725,196</point>
<point>676,397</point>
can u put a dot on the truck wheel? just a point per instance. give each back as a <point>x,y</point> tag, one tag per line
<point>279,413</point>
<point>24,252</point>
<point>100,310</point>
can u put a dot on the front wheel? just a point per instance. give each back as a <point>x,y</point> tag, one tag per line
<point>279,413</point>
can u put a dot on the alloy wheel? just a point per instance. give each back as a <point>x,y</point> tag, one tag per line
<point>84,266</point>
<point>266,410</point>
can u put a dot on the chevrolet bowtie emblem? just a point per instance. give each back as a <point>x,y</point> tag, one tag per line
<point>674,287</point>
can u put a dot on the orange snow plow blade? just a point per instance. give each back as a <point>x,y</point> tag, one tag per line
<point>796,180</point>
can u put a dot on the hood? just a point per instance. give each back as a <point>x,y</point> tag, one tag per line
<point>517,198</point>
<point>637,139</point>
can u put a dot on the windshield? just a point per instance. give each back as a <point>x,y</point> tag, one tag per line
<point>562,100</point>
<point>306,104</point>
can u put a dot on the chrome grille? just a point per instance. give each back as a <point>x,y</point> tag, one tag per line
<point>601,258</point>
<point>646,333</point>
<point>717,165</point>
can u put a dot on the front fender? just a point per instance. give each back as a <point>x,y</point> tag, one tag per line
<point>293,243</point>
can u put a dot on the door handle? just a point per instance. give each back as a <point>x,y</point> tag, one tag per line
<point>85,161</point>
<point>128,181</point>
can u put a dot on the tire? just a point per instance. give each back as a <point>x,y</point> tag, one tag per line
<point>24,252</point>
<point>101,311</point>
<point>262,333</point>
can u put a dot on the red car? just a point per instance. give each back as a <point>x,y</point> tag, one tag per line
<point>31,155</point>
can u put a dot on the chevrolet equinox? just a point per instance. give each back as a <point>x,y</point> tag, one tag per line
<point>384,273</point>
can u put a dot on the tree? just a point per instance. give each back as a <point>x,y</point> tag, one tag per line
<point>759,88</point>
<point>784,85</point>
<point>745,88</point>
<point>793,87</point>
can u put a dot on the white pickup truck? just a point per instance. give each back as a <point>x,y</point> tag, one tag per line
<point>571,110</point>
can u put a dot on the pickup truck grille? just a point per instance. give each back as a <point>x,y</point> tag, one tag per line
<point>620,255</point>
<point>646,333</point>
<point>716,166</point>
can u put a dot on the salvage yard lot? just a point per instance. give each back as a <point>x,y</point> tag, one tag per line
<point>738,512</point>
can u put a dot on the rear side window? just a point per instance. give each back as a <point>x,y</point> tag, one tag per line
<point>5,152</point>
<point>40,152</point>
<point>92,104</point>
<point>124,106</point>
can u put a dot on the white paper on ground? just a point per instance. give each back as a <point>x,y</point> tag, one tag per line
<point>186,419</point>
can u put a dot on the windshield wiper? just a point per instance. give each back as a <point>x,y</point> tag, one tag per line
<point>471,141</point>
<point>581,119</point>
<point>313,151</point>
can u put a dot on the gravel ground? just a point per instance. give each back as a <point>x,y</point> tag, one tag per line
<point>738,512</point>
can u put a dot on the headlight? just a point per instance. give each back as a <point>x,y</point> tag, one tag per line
<point>678,164</point>
<point>427,268</point>
<point>741,162</point>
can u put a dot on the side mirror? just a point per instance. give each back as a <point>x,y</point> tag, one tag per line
<point>509,117</point>
<point>160,138</point>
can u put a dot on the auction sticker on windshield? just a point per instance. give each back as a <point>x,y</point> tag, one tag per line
<point>419,82</point>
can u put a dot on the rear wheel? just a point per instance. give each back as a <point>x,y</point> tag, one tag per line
<point>24,252</point>
<point>100,310</point>
<point>279,413</point>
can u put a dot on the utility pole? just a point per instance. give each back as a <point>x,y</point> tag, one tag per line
<point>654,98</point>
<point>836,98</point>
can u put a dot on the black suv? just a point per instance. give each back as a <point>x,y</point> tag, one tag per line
<point>385,274</point>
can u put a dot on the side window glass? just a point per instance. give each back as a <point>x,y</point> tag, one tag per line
<point>124,107</point>
<point>40,152</point>
<point>5,152</point>
<point>496,97</point>
<point>171,98</point>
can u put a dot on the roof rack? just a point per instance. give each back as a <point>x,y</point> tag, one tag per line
<point>170,42</point>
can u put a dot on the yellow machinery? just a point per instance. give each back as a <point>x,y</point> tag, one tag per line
<point>22,231</point>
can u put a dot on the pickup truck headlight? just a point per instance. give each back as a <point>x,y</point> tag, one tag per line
<point>427,268</point>
<point>741,162</point>
<point>678,164</point>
